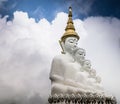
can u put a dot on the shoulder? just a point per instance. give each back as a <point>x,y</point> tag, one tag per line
<point>63,58</point>
<point>59,57</point>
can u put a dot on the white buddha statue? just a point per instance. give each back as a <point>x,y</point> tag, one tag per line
<point>95,81</point>
<point>70,72</point>
<point>79,55</point>
<point>63,68</point>
<point>60,73</point>
<point>86,65</point>
<point>86,76</point>
<point>82,76</point>
<point>98,85</point>
<point>98,79</point>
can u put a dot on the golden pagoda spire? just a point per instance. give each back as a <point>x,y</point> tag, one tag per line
<point>70,29</point>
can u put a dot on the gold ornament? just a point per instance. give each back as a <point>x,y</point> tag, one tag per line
<point>70,29</point>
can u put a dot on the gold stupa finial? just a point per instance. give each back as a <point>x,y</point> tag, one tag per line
<point>70,29</point>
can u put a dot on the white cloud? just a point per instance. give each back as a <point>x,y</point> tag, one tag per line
<point>27,49</point>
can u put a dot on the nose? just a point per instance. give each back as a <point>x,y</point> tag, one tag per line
<point>75,44</point>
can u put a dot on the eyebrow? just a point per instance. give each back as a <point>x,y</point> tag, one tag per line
<point>75,39</point>
<point>70,39</point>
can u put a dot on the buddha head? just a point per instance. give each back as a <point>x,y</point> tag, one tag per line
<point>70,38</point>
<point>79,55</point>
<point>87,64</point>
<point>70,44</point>
<point>98,79</point>
<point>92,73</point>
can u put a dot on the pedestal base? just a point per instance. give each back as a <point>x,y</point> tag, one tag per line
<point>87,98</point>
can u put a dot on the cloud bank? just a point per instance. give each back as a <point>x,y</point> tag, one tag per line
<point>27,49</point>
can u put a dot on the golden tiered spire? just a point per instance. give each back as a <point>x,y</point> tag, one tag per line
<point>70,29</point>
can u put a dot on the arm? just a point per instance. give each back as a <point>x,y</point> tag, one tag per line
<point>56,73</point>
<point>73,83</point>
<point>56,78</point>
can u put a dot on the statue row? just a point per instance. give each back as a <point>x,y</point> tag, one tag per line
<point>71,72</point>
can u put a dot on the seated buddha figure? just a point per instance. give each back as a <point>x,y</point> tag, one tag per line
<point>94,81</point>
<point>64,69</point>
<point>79,56</point>
<point>82,76</point>
<point>64,66</point>
<point>98,84</point>
<point>60,65</point>
<point>86,76</point>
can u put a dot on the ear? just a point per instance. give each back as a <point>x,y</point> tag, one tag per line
<point>62,46</point>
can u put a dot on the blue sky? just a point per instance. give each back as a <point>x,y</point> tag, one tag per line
<point>49,8</point>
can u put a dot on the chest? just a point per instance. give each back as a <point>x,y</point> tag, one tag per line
<point>71,70</point>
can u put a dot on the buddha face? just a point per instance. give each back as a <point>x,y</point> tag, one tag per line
<point>70,44</point>
<point>92,73</point>
<point>87,64</point>
<point>80,55</point>
<point>98,79</point>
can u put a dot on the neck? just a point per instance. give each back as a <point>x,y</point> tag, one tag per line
<point>70,56</point>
